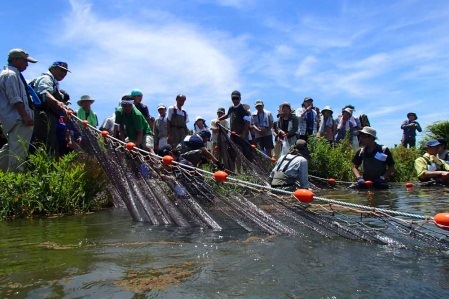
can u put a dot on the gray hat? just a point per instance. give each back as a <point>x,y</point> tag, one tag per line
<point>412,113</point>
<point>327,108</point>
<point>369,131</point>
<point>258,103</point>
<point>300,148</point>
<point>85,98</point>
<point>235,93</point>
<point>161,106</point>
<point>285,104</point>
<point>221,110</point>
<point>432,142</point>
<point>19,53</point>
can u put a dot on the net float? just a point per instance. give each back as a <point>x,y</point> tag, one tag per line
<point>253,146</point>
<point>104,134</point>
<point>167,159</point>
<point>304,195</point>
<point>369,184</point>
<point>220,176</point>
<point>233,133</point>
<point>442,220</point>
<point>130,146</point>
<point>273,159</point>
<point>85,123</point>
<point>331,181</point>
<point>69,112</point>
<point>216,148</point>
<point>409,185</point>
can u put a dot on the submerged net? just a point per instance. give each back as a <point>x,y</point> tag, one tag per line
<point>182,196</point>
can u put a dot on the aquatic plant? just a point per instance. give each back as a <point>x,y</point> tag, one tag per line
<point>67,186</point>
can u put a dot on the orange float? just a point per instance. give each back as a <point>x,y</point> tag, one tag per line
<point>130,146</point>
<point>331,181</point>
<point>253,146</point>
<point>273,159</point>
<point>409,185</point>
<point>220,176</point>
<point>168,160</point>
<point>233,133</point>
<point>304,195</point>
<point>104,134</point>
<point>216,148</point>
<point>69,112</point>
<point>442,220</point>
<point>369,184</point>
<point>85,123</point>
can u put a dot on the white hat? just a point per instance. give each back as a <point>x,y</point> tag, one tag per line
<point>161,106</point>
<point>369,131</point>
<point>198,118</point>
<point>85,98</point>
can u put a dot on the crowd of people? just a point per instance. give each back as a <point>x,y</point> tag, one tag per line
<point>35,113</point>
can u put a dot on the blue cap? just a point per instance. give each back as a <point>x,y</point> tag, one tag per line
<point>62,65</point>
<point>136,92</point>
<point>432,142</point>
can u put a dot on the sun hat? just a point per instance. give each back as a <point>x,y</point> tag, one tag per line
<point>258,103</point>
<point>136,92</point>
<point>412,113</point>
<point>349,110</point>
<point>221,110</point>
<point>285,104</point>
<point>85,98</point>
<point>327,108</point>
<point>300,147</point>
<point>161,106</point>
<point>198,118</point>
<point>61,64</point>
<point>19,53</point>
<point>308,99</point>
<point>235,94</point>
<point>369,131</point>
<point>433,142</point>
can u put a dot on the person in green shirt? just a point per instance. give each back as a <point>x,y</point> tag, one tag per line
<point>133,125</point>
<point>85,111</point>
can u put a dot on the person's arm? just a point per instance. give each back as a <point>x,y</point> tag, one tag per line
<point>122,132</point>
<point>245,130</point>
<point>139,137</point>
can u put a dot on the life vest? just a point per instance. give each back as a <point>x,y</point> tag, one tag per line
<point>374,166</point>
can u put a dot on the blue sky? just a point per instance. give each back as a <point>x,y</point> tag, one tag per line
<point>386,58</point>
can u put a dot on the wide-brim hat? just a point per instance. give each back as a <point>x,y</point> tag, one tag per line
<point>85,98</point>
<point>300,147</point>
<point>198,118</point>
<point>161,106</point>
<point>369,131</point>
<point>285,104</point>
<point>258,103</point>
<point>412,113</point>
<point>327,108</point>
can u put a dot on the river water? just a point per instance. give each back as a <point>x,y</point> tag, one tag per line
<point>107,255</point>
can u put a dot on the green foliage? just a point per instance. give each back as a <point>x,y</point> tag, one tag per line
<point>435,130</point>
<point>67,186</point>
<point>404,159</point>
<point>336,162</point>
<point>330,162</point>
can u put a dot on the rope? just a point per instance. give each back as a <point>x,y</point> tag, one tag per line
<point>332,201</point>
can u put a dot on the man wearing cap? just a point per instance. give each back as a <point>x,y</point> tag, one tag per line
<point>292,170</point>
<point>177,120</point>
<point>307,118</point>
<point>285,129</point>
<point>47,118</point>
<point>376,161</point>
<point>409,128</point>
<point>85,112</point>
<point>160,128</point>
<point>240,123</point>
<point>429,167</point>
<point>193,150</point>
<point>214,127</point>
<point>16,115</point>
<point>131,121</point>
<point>262,123</point>
<point>137,96</point>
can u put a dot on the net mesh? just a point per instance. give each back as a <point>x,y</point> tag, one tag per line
<point>174,195</point>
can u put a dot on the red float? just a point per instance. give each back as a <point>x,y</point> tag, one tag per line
<point>216,148</point>
<point>220,176</point>
<point>409,185</point>
<point>253,146</point>
<point>304,195</point>
<point>273,159</point>
<point>130,146</point>
<point>168,160</point>
<point>85,123</point>
<point>104,134</point>
<point>369,184</point>
<point>442,220</point>
<point>233,133</point>
<point>331,181</point>
<point>69,112</point>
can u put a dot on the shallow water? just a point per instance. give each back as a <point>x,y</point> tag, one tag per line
<point>107,255</point>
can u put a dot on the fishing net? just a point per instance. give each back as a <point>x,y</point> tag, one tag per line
<point>181,195</point>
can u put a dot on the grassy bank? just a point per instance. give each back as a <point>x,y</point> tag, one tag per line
<point>47,187</point>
